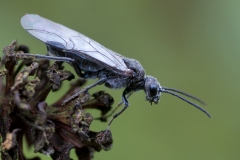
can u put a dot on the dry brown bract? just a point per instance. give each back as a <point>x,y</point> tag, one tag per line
<point>52,129</point>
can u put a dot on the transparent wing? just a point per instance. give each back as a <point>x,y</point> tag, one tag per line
<point>46,30</point>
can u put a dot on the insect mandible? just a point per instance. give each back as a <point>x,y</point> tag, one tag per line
<point>92,60</point>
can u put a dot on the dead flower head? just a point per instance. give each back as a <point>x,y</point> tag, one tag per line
<point>52,129</point>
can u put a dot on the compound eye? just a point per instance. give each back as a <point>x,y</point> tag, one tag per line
<point>153,89</point>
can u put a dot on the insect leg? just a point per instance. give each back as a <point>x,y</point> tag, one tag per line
<point>124,99</point>
<point>102,80</point>
<point>38,56</point>
<point>125,102</point>
<point>115,109</point>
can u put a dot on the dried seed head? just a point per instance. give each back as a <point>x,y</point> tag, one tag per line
<point>52,129</point>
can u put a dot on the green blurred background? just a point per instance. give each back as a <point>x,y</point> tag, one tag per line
<point>191,45</point>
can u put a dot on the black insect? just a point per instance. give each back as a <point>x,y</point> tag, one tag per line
<point>92,60</point>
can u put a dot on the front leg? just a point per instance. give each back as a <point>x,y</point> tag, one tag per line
<point>125,102</point>
<point>124,99</point>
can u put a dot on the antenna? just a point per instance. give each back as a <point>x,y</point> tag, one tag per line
<point>171,91</point>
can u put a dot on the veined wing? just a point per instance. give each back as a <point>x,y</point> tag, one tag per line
<point>49,31</point>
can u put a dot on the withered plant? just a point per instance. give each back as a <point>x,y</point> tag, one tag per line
<point>51,129</point>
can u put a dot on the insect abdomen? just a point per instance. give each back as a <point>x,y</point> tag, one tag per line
<point>86,65</point>
<point>83,64</point>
